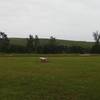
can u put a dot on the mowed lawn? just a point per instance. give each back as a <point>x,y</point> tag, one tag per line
<point>62,78</point>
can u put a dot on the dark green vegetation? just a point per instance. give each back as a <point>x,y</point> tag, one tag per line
<point>53,46</point>
<point>33,44</point>
<point>23,42</point>
<point>62,78</point>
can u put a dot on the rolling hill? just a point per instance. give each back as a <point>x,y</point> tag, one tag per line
<point>23,41</point>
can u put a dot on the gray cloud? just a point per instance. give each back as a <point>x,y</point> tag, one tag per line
<point>66,19</point>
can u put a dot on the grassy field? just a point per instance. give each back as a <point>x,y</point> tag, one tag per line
<point>62,78</point>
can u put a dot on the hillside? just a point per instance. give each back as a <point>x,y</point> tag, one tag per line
<point>23,41</point>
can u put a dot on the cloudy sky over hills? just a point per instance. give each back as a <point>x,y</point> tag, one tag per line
<point>65,19</point>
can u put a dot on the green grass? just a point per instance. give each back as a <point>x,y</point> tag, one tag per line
<point>62,78</point>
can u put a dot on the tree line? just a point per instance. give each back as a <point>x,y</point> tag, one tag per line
<point>34,46</point>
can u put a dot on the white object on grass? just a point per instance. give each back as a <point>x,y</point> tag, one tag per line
<point>44,59</point>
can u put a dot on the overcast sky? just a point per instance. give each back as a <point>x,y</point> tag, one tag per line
<point>64,19</point>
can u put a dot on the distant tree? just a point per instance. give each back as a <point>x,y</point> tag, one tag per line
<point>4,42</point>
<point>96,48</point>
<point>30,45</point>
<point>96,36</point>
<point>76,49</point>
<point>52,45</point>
<point>36,43</point>
<point>52,41</point>
<point>17,49</point>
